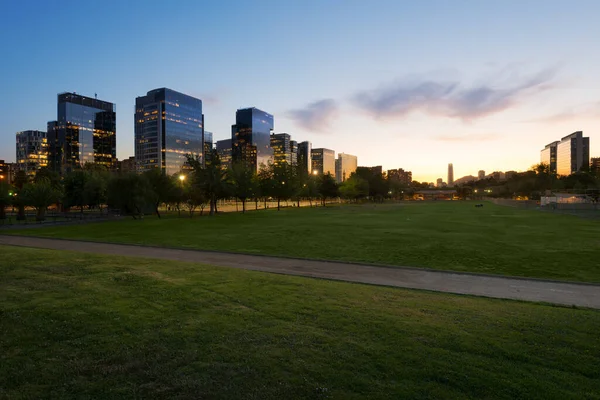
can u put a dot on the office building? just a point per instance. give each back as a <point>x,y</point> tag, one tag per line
<point>450,174</point>
<point>251,137</point>
<point>208,145</point>
<point>572,153</point>
<point>345,165</point>
<point>400,176</point>
<point>224,150</point>
<point>548,156</point>
<point>595,166</point>
<point>439,183</point>
<point>323,161</point>
<point>5,173</point>
<point>305,156</point>
<point>168,126</point>
<point>32,151</point>
<point>127,165</point>
<point>284,149</point>
<point>481,174</point>
<point>84,132</point>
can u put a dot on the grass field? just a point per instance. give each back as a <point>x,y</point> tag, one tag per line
<point>440,235</point>
<point>86,326</point>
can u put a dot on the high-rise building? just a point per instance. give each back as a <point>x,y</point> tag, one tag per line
<point>224,151</point>
<point>284,149</point>
<point>84,132</point>
<point>481,174</point>
<point>595,166</point>
<point>345,165</point>
<point>450,174</point>
<point>305,156</point>
<point>548,156</point>
<point>251,137</point>
<point>439,183</point>
<point>400,176</point>
<point>127,165</point>
<point>323,161</point>
<point>168,126</point>
<point>208,145</point>
<point>4,172</point>
<point>32,151</point>
<point>572,153</point>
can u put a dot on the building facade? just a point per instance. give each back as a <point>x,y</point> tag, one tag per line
<point>450,174</point>
<point>572,153</point>
<point>305,156</point>
<point>32,151</point>
<point>168,126</point>
<point>224,150</point>
<point>284,149</point>
<point>323,161</point>
<point>85,131</point>
<point>208,145</point>
<point>127,165</point>
<point>481,174</point>
<point>400,176</point>
<point>548,156</point>
<point>595,166</point>
<point>345,165</point>
<point>251,138</point>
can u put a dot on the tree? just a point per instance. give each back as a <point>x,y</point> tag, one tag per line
<point>161,185</point>
<point>282,182</point>
<point>265,182</point>
<point>354,188</point>
<point>378,185</point>
<point>211,177</point>
<point>40,195</point>
<point>194,197</point>
<point>243,180</point>
<point>19,182</point>
<point>5,198</point>
<point>75,189</point>
<point>130,193</point>
<point>327,187</point>
<point>47,173</point>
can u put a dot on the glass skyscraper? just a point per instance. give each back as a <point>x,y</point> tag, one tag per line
<point>345,165</point>
<point>572,153</point>
<point>32,151</point>
<point>323,161</point>
<point>284,149</point>
<point>251,137</point>
<point>84,132</point>
<point>548,156</point>
<point>224,151</point>
<point>305,156</point>
<point>168,126</point>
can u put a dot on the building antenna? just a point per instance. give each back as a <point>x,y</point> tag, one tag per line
<point>96,96</point>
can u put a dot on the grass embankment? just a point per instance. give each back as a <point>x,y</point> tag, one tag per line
<point>441,235</point>
<point>86,326</point>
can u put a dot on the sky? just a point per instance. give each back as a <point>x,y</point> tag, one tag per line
<point>402,84</point>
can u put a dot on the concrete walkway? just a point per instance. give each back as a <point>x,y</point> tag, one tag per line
<point>584,295</point>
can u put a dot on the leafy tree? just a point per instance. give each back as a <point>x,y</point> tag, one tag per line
<point>194,197</point>
<point>40,195</point>
<point>47,173</point>
<point>19,182</point>
<point>5,198</point>
<point>244,182</point>
<point>327,188</point>
<point>354,188</point>
<point>378,185</point>
<point>130,193</point>
<point>265,183</point>
<point>162,187</point>
<point>211,177</point>
<point>75,189</point>
<point>282,182</point>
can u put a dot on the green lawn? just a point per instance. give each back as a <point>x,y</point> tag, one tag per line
<point>441,235</point>
<point>85,326</point>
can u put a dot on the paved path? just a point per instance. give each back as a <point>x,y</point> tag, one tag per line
<point>584,295</point>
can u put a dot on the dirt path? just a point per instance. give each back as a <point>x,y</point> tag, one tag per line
<point>584,295</point>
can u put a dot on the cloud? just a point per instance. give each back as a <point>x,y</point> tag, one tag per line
<point>315,116</point>
<point>481,137</point>
<point>451,99</point>
<point>586,111</point>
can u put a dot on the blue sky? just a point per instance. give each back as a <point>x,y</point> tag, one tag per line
<point>416,85</point>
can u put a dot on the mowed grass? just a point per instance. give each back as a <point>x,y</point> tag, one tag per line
<point>88,326</point>
<point>440,235</point>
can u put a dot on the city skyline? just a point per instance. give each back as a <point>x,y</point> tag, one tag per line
<point>464,87</point>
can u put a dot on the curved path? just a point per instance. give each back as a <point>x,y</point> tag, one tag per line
<point>584,295</point>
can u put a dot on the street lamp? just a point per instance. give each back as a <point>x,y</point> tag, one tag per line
<point>181,178</point>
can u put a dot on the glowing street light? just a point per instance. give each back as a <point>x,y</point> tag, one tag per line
<point>315,172</point>
<point>182,178</point>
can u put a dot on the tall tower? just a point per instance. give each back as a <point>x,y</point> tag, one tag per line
<point>168,125</point>
<point>450,175</point>
<point>251,137</point>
